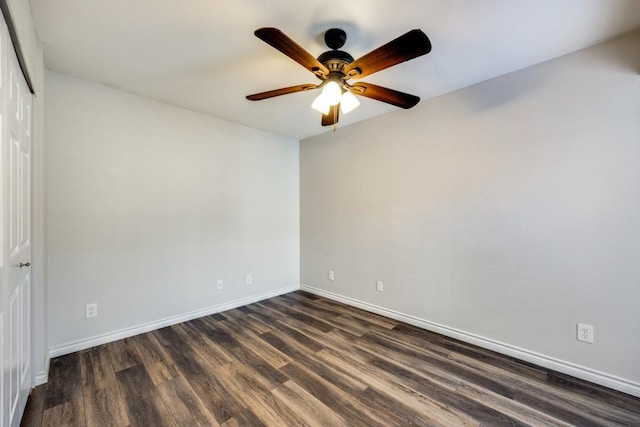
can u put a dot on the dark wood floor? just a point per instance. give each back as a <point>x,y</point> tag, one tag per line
<point>302,360</point>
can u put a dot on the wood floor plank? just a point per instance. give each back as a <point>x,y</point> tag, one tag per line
<point>300,359</point>
<point>64,382</point>
<point>218,316</point>
<point>495,384</point>
<point>372,318</point>
<point>430,368</point>
<point>243,419</point>
<point>233,422</point>
<point>565,383</point>
<point>508,406</point>
<point>104,404</point>
<point>336,318</point>
<point>266,312</point>
<point>292,312</point>
<point>302,341</point>
<point>144,405</point>
<point>308,305</point>
<point>256,395</point>
<point>154,358</point>
<point>350,408</point>
<point>244,322</point>
<point>35,407</point>
<point>286,345</point>
<point>123,354</point>
<point>405,336</point>
<point>555,409</point>
<point>346,344</point>
<point>309,410</point>
<point>184,404</point>
<point>346,381</point>
<point>494,359</point>
<point>304,295</point>
<point>565,407</point>
<point>257,313</point>
<point>491,367</point>
<point>104,407</point>
<point>427,407</point>
<point>95,368</point>
<point>67,414</point>
<point>250,340</point>
<point>533,385</point>
<point>342,374</point>
<point>396,411</point>
<point>200,376</point>
<point>214,354</point>
<point>352,325</point>
<point>242,354</point>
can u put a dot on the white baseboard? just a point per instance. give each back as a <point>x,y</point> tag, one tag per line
<point>151,326</point>
<point>558,365</point>
<point>41,378</point>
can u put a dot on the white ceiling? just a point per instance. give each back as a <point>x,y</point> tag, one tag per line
<point>202,54</point>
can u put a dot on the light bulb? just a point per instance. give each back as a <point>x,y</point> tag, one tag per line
<point>320,104</point>
<point>348,102</point>
<point>332,93</point>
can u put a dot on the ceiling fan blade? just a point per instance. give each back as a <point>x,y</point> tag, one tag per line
<point>278,92</point>
<point>408,46</point>
<point>390,96</point>
<point>331,118</point>
<point>284,44</point>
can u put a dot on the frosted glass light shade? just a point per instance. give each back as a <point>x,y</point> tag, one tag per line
<point>321,105</point>
<point>332,93</point>
<point>348,102</point>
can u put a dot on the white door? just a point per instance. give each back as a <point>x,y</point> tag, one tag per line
<point>15,232</point>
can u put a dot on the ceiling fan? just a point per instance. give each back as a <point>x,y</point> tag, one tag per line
<point>335,68</point>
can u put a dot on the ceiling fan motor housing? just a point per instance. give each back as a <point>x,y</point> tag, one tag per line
<point>335,60</point>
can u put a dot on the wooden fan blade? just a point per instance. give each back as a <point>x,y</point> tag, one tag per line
<point>278,92</point>
<point>284,44</point>
<point>390,96</point>
<point>408,46</point>
<point>332,117</point>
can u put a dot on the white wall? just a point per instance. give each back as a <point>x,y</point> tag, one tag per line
<point>503,213</point>
<point>148,205</point>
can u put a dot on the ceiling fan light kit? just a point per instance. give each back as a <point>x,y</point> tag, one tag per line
<point>335,68</point>
<point>321,105</point>
<point>348,102</point>
<point>333,95</point>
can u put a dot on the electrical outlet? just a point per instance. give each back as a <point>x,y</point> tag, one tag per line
<point>331,276</point>
<point>91,310</point>
<point>585,333</point>
<point>379,286</point>
<point>219,284</point>
<point>249,279</point>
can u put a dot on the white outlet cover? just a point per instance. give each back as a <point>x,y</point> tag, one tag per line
<point>91,310</point>
<point>379,286</point>
<point>249,279</point>
<point>219,284</point>
<point>331,275</point>
<point>584,333</point>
